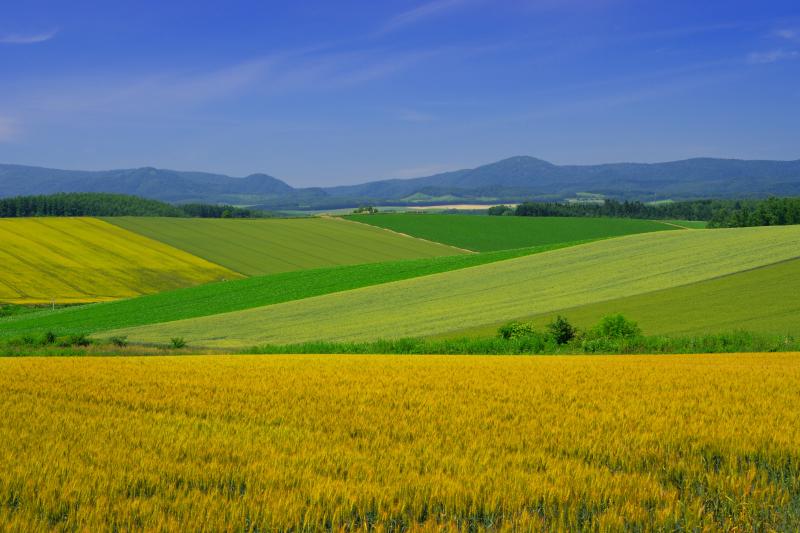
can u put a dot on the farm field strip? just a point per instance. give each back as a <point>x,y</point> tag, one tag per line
<point>486,233</point>
<point>214,298</point>
<point>267,246</point>
<point>73,260</point>
<point>690,443</point>
<point>755,300</point>
<point>487,294</point>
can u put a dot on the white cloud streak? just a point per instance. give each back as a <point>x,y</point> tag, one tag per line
<point>8,129</point>
<point>772,56</point>
<point>788,34</point>
<point>422,12</point>
<point>29,38</point>
<point>412,115</point>
<point>302,70</point>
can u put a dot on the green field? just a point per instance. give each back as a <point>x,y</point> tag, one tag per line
<point>754,300</point>
<point>485,233</point>
<point>267,246</point>
<point>241,294</point>
<point>506,290</point>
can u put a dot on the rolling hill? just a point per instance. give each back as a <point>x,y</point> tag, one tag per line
<point>579,275</point>
<point>753,300</point>
<point>268,246</point>
<point>235,295</point>
<point>73,260</point>
<point>512,179</point>
<point>483,234</point>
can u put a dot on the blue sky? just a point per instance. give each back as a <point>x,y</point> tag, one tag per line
<point>322,92</point>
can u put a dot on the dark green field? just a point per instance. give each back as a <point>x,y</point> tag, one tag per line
<point>236,295</point>
<point>485,233</point>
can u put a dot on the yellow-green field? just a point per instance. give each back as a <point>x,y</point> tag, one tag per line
<point>496,292</point>
<point>267,246</point>
<point>71,260</point>
<point>425,443</point>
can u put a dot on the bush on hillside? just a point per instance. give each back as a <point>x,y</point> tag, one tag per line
<point>616,327</point>
<point>561,330</point>
<point>516,330</point>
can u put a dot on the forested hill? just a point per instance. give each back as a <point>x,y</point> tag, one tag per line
<point>511,180</point>
<point>147,182</point>
<point>111,205</point>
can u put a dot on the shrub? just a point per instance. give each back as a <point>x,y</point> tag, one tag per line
<point>49,338</point>
<point>561,330</point>
<point>516,330</point>
<point>178,342</point>
<point>616,327</point>
<point>119,341</point>
<point>76,339</point>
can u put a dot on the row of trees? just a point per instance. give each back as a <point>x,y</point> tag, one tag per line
<point>718,213</point>
<point>769,212</point>
<point>686,210</point>
<point>112,205</point>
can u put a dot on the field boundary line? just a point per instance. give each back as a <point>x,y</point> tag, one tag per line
<point>401,234</point>
<point>673,225</point>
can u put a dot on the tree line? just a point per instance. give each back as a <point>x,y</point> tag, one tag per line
<point>113,205</point>
<point>718,213</point>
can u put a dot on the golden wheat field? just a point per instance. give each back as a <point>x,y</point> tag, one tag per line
<point>309,443</point>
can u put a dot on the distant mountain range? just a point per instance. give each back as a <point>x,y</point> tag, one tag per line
<point>513,179</point>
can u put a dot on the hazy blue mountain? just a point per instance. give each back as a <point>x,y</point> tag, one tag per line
<point>512,179</point>
<point>531,177</point>
<point>148,182</point>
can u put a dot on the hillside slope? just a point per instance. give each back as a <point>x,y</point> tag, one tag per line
<point>753,300</point>
<point>71,260</point>
<point>483,233</point>
<point>223,297</point>
<point>579,275</point>
<point>257,247</point>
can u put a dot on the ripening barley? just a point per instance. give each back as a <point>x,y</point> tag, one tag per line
<point>391,443</point>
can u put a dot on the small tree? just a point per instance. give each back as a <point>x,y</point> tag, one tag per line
<point>561,330</point>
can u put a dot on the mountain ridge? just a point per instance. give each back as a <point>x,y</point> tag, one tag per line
<point>511,179</point>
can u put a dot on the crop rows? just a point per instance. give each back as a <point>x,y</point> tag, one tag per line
<point>83,259</point>
<point>223,297</point>
<point>501,291</point>
<point>268,246</point>
<point>422,443</point>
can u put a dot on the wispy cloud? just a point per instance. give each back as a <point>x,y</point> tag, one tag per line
<point>772,56</point>
<point>8,129</point>
<point>27,38</point>
<point>788,34</point>
<point>422,12</point>
<point>412,115</point>
<point>291,71</point>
